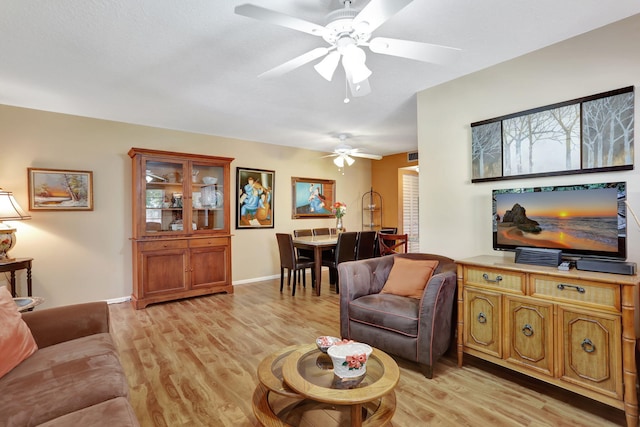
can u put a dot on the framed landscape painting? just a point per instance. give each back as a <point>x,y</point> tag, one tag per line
<point>254,208</point>
<point>312,198</point>
<point>60,190</point>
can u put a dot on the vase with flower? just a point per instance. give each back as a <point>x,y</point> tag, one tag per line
<point>339,209</point>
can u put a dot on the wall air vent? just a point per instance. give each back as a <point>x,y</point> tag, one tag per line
<point>412,157</point>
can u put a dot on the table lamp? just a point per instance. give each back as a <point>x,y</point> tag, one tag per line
<point>10,210</point>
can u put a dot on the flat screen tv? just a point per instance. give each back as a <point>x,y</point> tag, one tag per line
<point>587,220</point>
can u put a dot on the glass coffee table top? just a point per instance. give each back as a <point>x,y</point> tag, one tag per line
<point>309,372</point>
<point>270,372</point>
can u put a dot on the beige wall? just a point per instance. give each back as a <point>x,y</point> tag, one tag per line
<point>84,256</point>
<point>456,214</point>
<point>385,180</point>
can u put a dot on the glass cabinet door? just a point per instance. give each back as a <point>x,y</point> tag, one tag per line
<point>164,196</point>
<point>207,186</point>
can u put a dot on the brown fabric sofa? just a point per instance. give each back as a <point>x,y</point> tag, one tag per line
<point>419,330</point>
<point>74,378</point>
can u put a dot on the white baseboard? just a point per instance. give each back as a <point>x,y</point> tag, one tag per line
<point>119,300</point>
<point>261,279</point>
<point>255,279</point>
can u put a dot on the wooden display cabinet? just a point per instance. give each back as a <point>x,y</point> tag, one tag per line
<point>574,329</point>
<point>181,225</point>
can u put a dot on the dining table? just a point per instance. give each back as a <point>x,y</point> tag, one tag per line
<point>317,244</point>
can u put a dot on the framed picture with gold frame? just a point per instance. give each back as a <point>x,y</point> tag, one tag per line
<point>60,190</point>
<point>254,207</point>
<point>312,197</point>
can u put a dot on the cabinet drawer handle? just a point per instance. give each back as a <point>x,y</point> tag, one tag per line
<point>580,289</point>
<point>482,318</point>
<point>498,278</point>
<point>588,346</point>
<point>527,330</point>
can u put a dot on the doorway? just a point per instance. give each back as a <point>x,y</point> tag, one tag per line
<point>409,194</point>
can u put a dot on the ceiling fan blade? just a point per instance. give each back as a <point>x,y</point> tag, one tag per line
<point>376,13</point>
<point>294,63</point>
<point>366,155</point>
<point>414,50</point>
<point>277,18</point>
<point>329,155</point>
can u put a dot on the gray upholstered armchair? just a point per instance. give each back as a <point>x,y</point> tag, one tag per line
<point>415,329</point>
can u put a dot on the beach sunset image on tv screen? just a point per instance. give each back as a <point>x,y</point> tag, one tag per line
<point>582,218</point>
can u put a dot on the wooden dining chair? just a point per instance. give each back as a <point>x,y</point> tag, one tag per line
<point>327,256</point>
<point>365,247</point>
<point>384,230</point>
<point>321,231</point>
<point>289,260</point>
<point>390,244</point>
<point>303,254</point>
<point>389,230</point>
<point>345,251</point>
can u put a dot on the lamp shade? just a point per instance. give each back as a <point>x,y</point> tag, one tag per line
<point>340,160</point>
<point>328,65</point>
<point>353,61</point>
<point>10,210</point>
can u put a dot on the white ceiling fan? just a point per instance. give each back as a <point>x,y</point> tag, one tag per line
<point>346,31</point>
<point>344,153</point>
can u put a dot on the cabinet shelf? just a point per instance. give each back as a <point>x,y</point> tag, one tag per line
<point>163,184</point>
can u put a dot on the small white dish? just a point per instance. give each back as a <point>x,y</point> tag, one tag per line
<point>324,342</point>
<point>23,301</point>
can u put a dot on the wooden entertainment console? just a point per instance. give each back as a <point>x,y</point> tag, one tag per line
<point>574,329</point>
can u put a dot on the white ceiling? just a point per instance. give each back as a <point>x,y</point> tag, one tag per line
<point>193,64</point>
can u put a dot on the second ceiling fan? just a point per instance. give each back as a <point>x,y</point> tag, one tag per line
<point>344,153</point>
<point>346,32</point>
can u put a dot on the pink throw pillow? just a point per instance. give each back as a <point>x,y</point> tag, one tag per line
<point>16,341</point>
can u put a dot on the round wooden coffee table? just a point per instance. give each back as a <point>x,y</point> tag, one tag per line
<point>297,386</point>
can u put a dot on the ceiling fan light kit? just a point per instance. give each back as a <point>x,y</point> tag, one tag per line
<point>341,159</point>
<point>346,31</point>
<point>328,65</point>
<point>353,61</point>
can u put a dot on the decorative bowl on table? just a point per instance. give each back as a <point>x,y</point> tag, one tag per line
<point>324,342</point>
<point>350,360</point>
<point>209,180</point>
<point>22,302</point>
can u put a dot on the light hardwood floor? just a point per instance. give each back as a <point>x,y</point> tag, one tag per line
<point>193,363</point>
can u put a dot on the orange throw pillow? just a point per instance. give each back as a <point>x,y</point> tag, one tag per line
<point>408,277</point>
<point>16,341</point>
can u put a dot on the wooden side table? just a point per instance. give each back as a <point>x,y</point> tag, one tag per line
<point>15,265</point>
